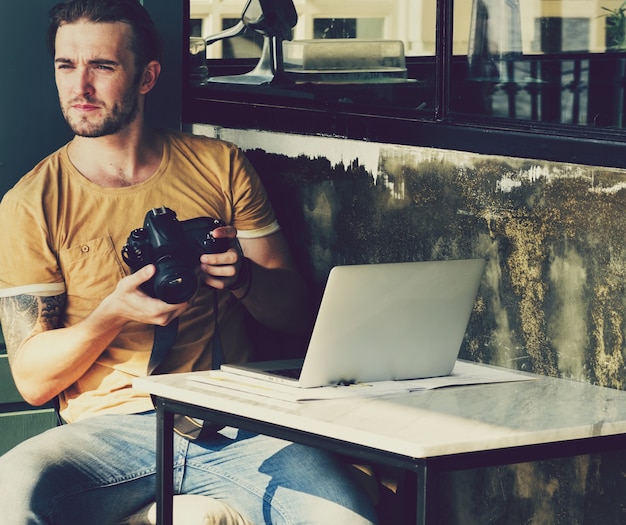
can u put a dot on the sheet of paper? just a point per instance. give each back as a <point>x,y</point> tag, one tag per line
<point>464,373</point>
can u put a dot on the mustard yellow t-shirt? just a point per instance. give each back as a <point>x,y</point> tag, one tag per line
<point>62,233</point>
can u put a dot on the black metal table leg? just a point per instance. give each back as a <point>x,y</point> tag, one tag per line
<point>165,462</point>
<point>420,493</point>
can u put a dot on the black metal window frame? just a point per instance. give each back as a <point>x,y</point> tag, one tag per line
<point>273,109</point>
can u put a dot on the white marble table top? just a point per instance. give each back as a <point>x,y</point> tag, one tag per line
<point>431,423</point>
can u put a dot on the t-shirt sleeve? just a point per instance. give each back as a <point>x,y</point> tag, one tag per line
<point>27,264</point>
<point>253,213</point>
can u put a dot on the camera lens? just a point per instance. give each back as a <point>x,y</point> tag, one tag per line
<point>174,283</point>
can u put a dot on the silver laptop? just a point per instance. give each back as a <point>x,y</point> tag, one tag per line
<point>379,322</point>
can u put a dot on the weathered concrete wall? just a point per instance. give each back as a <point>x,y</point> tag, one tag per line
<point>552,299</point>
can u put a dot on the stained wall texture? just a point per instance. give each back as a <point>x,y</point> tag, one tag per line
<point>551,301</point>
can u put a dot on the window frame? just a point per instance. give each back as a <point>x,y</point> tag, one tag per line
<point>264,108</point>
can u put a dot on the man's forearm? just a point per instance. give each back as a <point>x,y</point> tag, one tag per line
<point>277,298</point>
<point>47,358</point>
<point>50,361</point>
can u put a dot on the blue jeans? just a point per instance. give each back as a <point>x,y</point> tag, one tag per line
<point>101,469</point>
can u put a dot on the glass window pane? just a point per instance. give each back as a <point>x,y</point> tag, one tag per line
<point>555,61</point>
<point>411,21</point>
<point>367,53</point>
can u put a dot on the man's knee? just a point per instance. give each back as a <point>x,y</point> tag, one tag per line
<point>21,476</point>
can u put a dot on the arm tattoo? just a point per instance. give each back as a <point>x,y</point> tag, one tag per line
<point>25,315</point>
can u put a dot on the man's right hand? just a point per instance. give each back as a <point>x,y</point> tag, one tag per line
<point>130,301</point>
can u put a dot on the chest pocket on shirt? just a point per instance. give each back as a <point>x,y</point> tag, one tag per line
<point>91,271</point>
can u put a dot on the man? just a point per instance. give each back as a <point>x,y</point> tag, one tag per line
<point>79,326</point>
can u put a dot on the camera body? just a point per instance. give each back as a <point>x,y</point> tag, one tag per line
<point>174,247</point>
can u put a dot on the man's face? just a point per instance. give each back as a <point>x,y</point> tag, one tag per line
<point>96,77</point>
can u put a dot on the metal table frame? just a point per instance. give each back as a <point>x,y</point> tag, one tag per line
<point>423,472</point>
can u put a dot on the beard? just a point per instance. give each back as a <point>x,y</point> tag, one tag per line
<point>122,113</point>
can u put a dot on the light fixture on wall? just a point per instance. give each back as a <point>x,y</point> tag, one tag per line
<point>275,20</point>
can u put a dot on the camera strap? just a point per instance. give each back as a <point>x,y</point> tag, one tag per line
<point>164,339</point>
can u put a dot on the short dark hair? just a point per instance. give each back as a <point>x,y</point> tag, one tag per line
<point>145,42</point>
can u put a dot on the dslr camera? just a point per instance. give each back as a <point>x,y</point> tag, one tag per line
<point>174,247</point>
